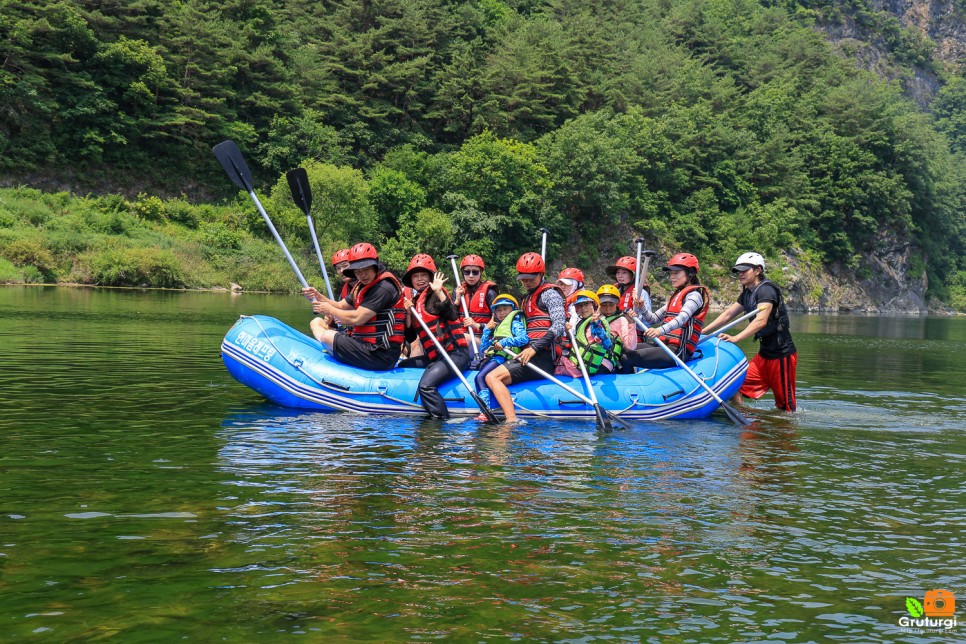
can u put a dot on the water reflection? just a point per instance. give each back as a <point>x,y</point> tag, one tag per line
<point>145,491</point>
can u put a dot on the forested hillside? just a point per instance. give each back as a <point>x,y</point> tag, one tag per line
<point>442,126</point>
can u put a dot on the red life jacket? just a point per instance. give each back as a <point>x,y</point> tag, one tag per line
<point>476,302</point>
<point>387,328</point>
<point>346,291</point>
<point>538,320</point>
<point>448,332</point>
<point>347,288</point>
<point>692,328</point>
<point>627,296</point>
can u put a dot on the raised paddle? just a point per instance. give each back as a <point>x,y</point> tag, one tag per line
<point>637,270</point>
<point>298,183</point>
<point>459,374</point>
<point>602,420</point>
<point>648,255</point>
<point>733,414</point>
<point>543,243</point>
<point>570,390</point>
<point>466,310</point>
<point>233,162</point>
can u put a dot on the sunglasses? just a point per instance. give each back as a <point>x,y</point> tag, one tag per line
<point>470,271</point>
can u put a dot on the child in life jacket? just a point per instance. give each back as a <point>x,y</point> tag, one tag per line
<point>620,326</point>
<point>506,329</point>
<point>570,280</point>
<point>599,349</point>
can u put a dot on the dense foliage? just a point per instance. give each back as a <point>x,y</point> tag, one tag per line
<point>444,126</point>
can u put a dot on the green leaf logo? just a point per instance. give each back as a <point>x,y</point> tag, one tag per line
<point>914,607</point>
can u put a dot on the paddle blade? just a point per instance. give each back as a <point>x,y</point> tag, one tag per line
<point>298,183</point>
<point>617,419</point>
<point>733,414</point>
<point>233,162</point>
<point>602,420</point>
<point>490,418</point>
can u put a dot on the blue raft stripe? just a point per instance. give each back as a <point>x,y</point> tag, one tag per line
<point>333,401</point>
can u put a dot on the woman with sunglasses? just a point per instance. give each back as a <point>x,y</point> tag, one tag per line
<point>479,294</point>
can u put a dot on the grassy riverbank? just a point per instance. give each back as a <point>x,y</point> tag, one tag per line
<point>109,241</point>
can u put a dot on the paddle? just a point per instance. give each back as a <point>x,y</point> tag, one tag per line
<point>733,414</point>
<point>490,418</point>
<point>602,420</point>
<point>637,270</point>
<point>648,254</point>
<point>543,244</point>
<point>466,309</point>
<point>298,183</point>
<point>761,307</point>
<point>570,390</point>
<point>233,162</point>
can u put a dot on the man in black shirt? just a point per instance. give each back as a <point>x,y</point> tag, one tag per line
<point>777,360</point>
<point>373,309</point>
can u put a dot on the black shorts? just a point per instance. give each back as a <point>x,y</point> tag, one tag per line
<point>364,355</point>
<point>521,373</point>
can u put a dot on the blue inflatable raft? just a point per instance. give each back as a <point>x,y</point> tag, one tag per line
<point>291,369</point>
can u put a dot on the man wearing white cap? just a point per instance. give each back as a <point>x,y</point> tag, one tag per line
<point>777,360</point>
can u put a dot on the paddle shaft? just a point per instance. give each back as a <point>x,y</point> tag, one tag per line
<point>315,243</point>
<point>638,271</point>
<point>466,309</point>
<point>452,365</point>
<point>680,363</point>
<point>278,238</point>
<point>583,372</point>
<point>543,243</point>
<point>552,379</point>
<point>732,323</point>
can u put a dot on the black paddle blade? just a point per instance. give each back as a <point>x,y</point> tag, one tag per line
<point>298,183</point>
<point>233,162</point>
<point>733,414</point>
<point>617,419</point>
<point>602,420</point>
<point>490,418</point>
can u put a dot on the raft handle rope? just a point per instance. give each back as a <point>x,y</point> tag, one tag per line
<point>297,365</point>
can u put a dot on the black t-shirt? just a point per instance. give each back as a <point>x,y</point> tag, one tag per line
<point>378,298</point>
<point>775,338</point>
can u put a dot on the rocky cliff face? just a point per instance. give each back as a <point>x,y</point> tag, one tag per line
<point>941,21</point>
<point>889,281</point>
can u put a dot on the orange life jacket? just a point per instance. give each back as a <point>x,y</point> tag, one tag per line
<point>476,302</point>
<point>448,332</point>
<point>692,328</point>
<point>538,320</point>
<point>387,328</point>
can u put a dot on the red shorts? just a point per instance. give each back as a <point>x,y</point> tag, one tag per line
<point>777,374</point>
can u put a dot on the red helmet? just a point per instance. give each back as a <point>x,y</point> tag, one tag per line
<point>420,262</point>
<point>571,274</point>
<point>473,260</point>
<point>626,262</point>
<point>340,256</point>
<point>530,265</point>
<point>682,261</point>
<point>363,251</point>
<point>361,255</point>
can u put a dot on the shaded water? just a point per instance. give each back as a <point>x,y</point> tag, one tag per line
<point>144,493</point>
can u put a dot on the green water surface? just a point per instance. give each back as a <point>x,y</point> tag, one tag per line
<point>146,496</point>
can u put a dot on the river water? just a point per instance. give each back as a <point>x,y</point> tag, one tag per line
<point>144,494</point>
